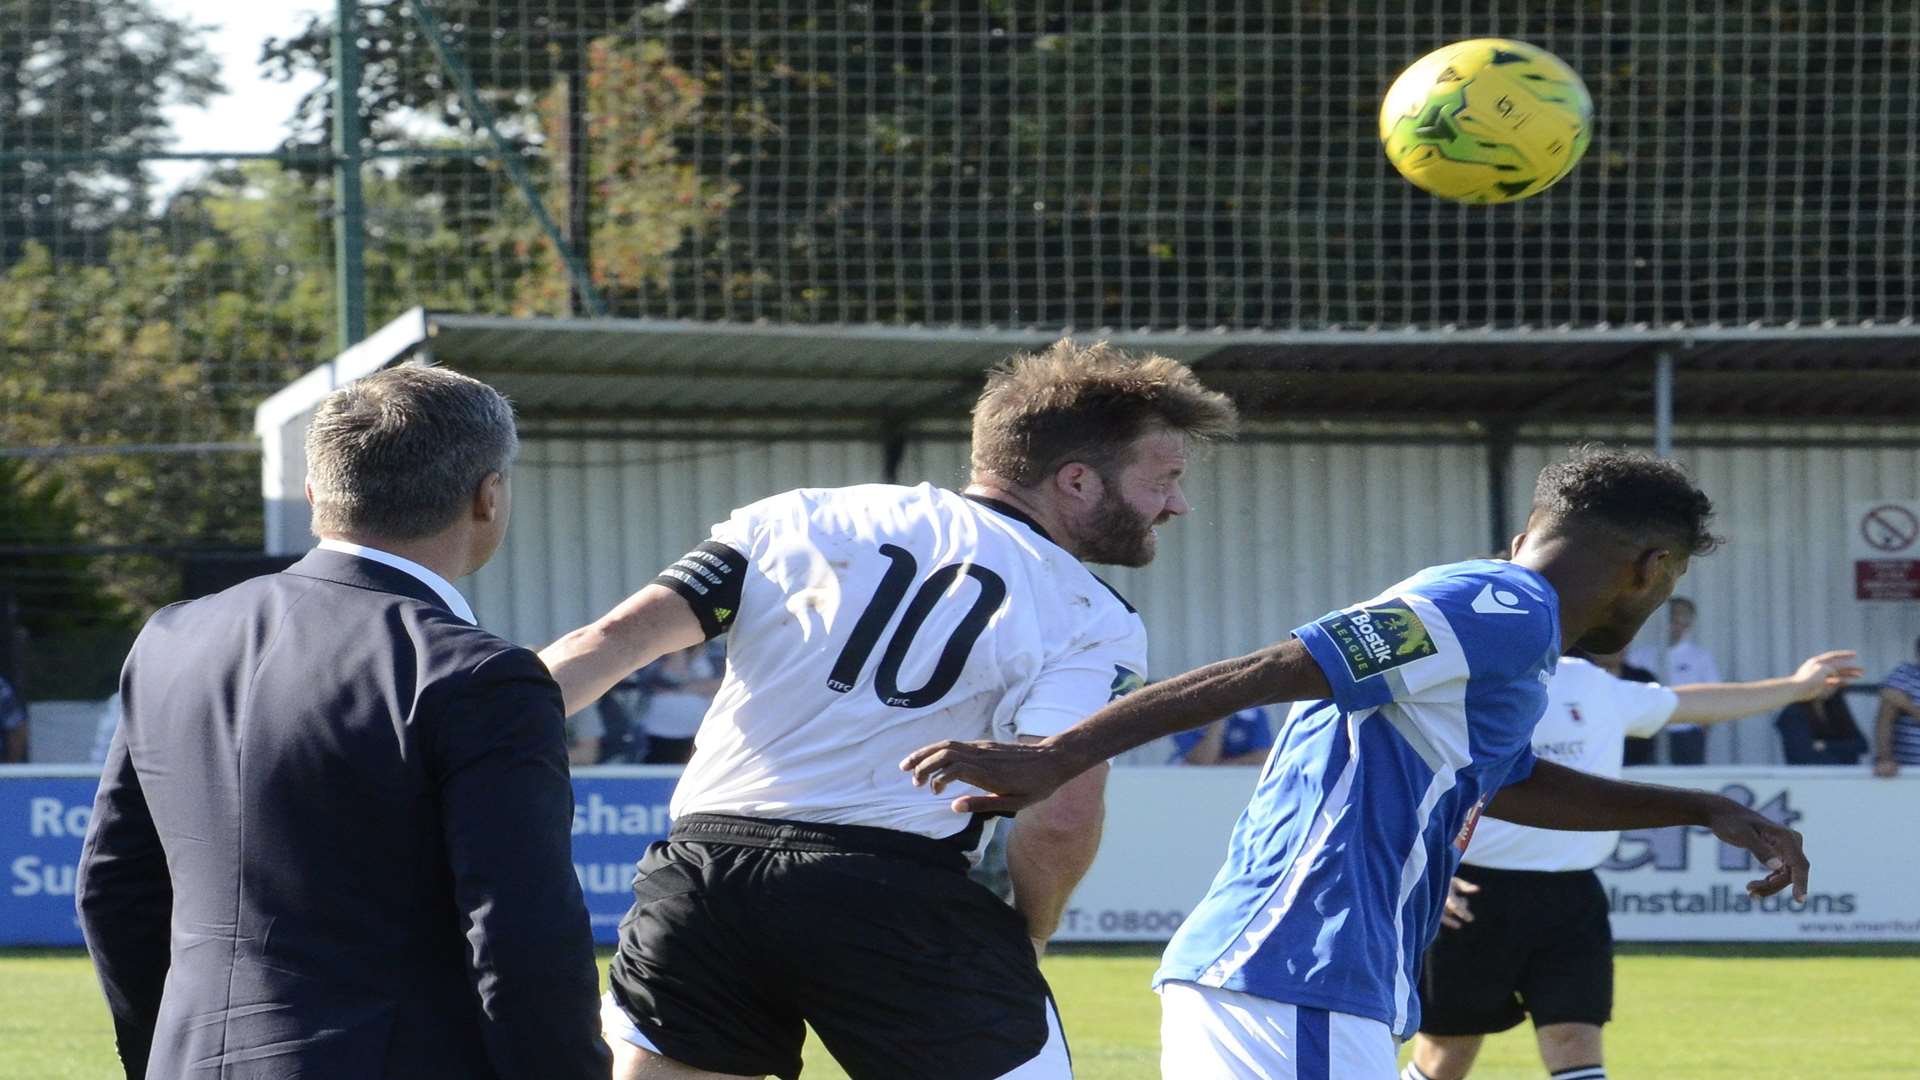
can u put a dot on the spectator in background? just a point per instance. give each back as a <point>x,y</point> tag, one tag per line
<point>623,741</point>
<point>1687,663</point>
<point>1241,739</point>
<point>1525,930</point>
<point>680,686</point>
<point>1896,730</point>
<point>584,731</point>
<point>1639,750</point>
<point>104,726</point>
<point>1820,732</point>
<point>13,724</point>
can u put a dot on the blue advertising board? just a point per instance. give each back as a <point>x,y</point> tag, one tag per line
<point>617,812</point>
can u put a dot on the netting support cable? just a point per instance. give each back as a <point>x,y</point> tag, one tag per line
<point>349,219</point>
<point>516,169</point>
<point>1501,436</point>
<point>289,155</point>
<point>116,449</point>
<point>1663,404</point>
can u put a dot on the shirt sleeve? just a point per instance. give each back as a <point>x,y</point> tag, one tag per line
<point>711,576</point>
<point>1643,708</point>
<point>1462,656</point>
<point>1523,763</point>
<point>1255,730</point>
<point>1398,647</point>
<point>1075,686</point>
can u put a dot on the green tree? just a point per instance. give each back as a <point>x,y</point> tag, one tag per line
<point>652,199</point>
<point>115,363</point>
<point>86,79</point>
<point>56,589</point>
<point>177,336</point>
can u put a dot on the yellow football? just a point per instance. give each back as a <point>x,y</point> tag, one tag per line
<point>1486,121</point>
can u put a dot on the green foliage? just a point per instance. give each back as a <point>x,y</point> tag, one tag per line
<point>87,78</point>
<point>175,338</point>
<point>651,201</point>
<point>55,590</point>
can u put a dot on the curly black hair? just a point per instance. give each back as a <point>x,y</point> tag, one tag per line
<point>1629,490</point>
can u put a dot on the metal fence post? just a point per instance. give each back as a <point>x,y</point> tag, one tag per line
<point>350,211</point>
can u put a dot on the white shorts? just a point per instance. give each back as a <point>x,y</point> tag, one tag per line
<point>1211,1034</point>
<point>1051,1063</point>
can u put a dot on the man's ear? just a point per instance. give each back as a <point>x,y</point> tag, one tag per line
<point>486,497</point>
<point>1648,565</point>
<point>1079,481</point>
<point>1514,545</point>
<point>308,486</point>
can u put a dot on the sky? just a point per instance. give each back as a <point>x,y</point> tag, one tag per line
<point>252,114</point>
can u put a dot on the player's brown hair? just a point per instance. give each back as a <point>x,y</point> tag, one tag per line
<point>1086,403</point>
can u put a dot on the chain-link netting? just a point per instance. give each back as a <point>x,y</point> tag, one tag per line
<point>1127,164</point>
<point>1158,164</point>
<point>1144,164</point>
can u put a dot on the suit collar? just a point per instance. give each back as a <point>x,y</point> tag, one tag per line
<point>362,573</point>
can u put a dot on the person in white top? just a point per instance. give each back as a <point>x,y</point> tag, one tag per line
<point>1526,931</point>
<point>1688,663</point>
<point>806,879</point>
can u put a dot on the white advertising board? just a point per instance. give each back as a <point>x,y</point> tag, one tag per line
<point>1167,832</point>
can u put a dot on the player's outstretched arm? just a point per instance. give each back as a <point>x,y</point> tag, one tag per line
<point>646,626</point>
<point>1556,797</point>
<point>1018,775</point>
<point>1710,703</point>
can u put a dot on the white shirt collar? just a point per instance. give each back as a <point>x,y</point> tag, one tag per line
<point>441,586</point>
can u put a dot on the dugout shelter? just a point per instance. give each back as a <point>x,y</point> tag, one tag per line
<point>1367,454</point>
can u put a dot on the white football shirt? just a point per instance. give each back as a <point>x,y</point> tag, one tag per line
<point>1687,664</point>
<point>876,619</point>
<point>1589,714</point>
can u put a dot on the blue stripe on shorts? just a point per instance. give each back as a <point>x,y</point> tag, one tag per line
<point>1316,1047</point>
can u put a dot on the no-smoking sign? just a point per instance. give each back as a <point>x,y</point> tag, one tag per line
<point>1890,528</point>
<point>1886,550</point>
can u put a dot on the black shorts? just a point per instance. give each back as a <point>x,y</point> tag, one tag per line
<point>1539,944</point>
<point>743,929</point>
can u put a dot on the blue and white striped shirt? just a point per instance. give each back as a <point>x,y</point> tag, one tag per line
<point>1337,871</point>
<point>1906,730</point>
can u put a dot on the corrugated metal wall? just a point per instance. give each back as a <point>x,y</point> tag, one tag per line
<point>1287,524</point>
<point>1285,531</point>
<point>594,520</point>
<point>1281,531</point>
<point>1782,588</point>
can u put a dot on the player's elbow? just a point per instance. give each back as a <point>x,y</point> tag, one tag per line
<point>1072,813</point>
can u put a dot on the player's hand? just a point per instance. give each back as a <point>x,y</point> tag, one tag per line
<point>1886,768</point>
<point>1776,846</point>
<point>1456,913</point>
<point>1829,669</point>
<point>1015,775</point>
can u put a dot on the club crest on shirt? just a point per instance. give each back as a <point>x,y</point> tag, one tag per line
<point>1374,640</point>
<point>1124,682</point>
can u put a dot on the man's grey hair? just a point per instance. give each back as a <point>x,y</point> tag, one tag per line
<point>398,454</point>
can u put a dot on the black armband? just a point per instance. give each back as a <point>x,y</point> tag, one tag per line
<point>708,578</point>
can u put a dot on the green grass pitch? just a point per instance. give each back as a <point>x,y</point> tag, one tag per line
<point>1683,1013</point>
